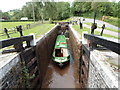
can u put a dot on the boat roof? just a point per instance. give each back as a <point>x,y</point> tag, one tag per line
<point>61,42</point>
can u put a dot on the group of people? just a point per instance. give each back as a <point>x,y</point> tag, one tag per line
<point>78,21</point>
<point>19,29</point>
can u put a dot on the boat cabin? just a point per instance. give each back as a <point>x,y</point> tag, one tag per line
<point>61,52</point>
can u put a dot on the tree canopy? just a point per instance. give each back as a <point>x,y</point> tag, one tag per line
<point>62,10</point>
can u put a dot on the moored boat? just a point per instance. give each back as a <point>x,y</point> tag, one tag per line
<point>61,53</point>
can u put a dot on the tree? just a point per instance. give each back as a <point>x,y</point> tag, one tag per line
<point>50,9</point>
<point>5,15</point>
<point>79,8</point>
<point>63,10</point>
<point>17,14</point>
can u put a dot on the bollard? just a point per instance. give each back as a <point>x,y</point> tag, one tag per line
<point>20,30</point>
<point>93,27</point>
<point>80,23</point>
<point>103,27</point>
<point>81,26</point>
<point>6,31</point>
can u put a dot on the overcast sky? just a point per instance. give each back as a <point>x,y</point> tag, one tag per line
<point>6,5</point>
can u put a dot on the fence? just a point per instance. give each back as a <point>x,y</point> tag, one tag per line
<point>14,30</point>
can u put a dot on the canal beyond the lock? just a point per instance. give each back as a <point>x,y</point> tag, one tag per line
<point>66,77</point>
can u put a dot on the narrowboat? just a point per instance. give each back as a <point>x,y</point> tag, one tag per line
<point>61,53</point>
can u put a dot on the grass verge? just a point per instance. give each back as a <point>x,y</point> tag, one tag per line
<point>77,28</point>
<point>13,24</point>
<point>107,28</point>
<point>108,19</point>
<point>38,30</point>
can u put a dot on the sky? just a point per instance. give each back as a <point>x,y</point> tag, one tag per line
<point>6,5</point>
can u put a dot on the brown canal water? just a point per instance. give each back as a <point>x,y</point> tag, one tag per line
<point>66,77</point>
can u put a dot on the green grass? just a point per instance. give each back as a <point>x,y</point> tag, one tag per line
<point>88,23</point>
<point>77,28</point>
<point>109,19</point>
<point>106,35</point>
<point>110,29</point>
<point>13,24</point>
<point>38,30</point>
<point>65,20</point>
<point>10,25</point>
<point>112,20</point>
<point>107,28</point>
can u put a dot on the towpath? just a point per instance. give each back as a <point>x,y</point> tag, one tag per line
<point>101,23</point>
<point>105,31</point>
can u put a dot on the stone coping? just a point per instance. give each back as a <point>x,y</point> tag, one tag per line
<point>7,61</point>
<point>102,60</point>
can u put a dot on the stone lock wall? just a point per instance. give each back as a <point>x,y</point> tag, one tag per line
<point>44,50</point>
<point>75,43</point>
<point>101,74</point>
<point>10,74</point>
<point>95,78</point>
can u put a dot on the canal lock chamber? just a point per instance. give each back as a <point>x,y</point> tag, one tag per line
<point>34,68</point>
<point>76,74</point>
<point>51,75</point>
